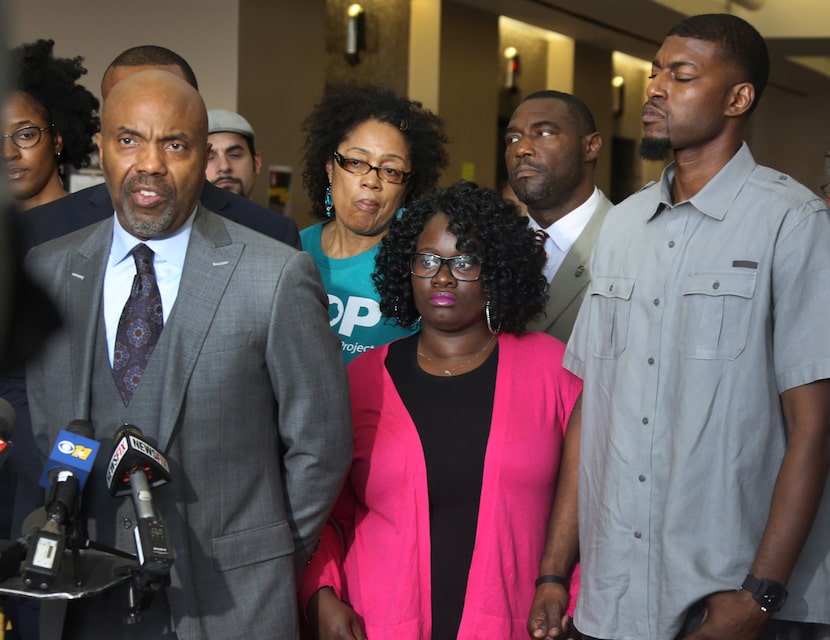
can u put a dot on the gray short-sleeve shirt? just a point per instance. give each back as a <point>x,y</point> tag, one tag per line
<point>698,316</point>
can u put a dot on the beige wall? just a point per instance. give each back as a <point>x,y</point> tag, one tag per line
<point>281,77</point>
<point>206,34</point>
<point>468,100</point>
<point>386,57</point>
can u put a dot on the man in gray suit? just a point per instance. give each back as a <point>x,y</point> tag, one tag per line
<point>552,146</point>
<point>245,391</point>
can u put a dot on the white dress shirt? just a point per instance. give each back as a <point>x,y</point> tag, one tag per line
<point>562,234</point>
<point>168,263</point>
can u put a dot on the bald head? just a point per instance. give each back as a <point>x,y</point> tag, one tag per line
<point>153,86</point>
<point>153,148</point>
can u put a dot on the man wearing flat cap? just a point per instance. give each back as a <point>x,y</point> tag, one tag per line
<point>233,161</point>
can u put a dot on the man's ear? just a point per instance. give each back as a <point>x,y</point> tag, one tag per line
<point>741,98</point>
<point>593,144</point>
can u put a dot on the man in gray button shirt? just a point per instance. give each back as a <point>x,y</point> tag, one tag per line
<point>704,446</point>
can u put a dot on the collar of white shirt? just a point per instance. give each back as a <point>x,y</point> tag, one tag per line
<point>566,230</point>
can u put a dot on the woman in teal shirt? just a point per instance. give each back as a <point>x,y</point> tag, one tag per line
<point>367,153</point>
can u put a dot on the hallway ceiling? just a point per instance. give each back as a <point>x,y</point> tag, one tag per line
<point>797,31</point>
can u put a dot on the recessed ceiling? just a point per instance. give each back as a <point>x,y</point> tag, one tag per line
<point>797,31</point>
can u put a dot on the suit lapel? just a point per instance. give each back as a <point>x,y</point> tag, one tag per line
<point>210,262</point>
<point>573,274</point>
<point>85,284</point>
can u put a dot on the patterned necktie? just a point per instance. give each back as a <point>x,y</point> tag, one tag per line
<point>140,325</point>
<point>541,239</point>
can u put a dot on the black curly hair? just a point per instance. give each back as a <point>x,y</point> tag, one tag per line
<point>68,105</point>
<point>488,228</point>
<point>345,106</point>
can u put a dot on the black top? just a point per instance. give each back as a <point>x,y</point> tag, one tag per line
<point>452,415</point>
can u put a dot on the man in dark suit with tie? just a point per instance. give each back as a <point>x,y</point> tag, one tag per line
<point>244,392</point>
<point>93,203</point>
<point>552,148</point>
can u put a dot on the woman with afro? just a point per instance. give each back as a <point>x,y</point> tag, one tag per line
<point>368,153</point>
<point>48,121</point>
<point>458,434</point>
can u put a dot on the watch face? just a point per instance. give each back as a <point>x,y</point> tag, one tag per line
<point>773,597</point>
<point>769,594</point>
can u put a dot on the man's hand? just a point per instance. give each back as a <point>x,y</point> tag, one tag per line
<point>731,614</point>
<point>548,617</point>
<point>332,619</point>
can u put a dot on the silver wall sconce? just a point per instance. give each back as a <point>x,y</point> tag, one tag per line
<point>355,33</point>
<point>617,95</point>
<point>511,55</point>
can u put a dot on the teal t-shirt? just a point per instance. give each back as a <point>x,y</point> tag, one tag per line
<point>354,311</point>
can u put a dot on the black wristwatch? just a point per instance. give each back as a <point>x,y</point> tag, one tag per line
<point>769,594</point>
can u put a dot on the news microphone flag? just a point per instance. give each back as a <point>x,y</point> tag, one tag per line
<point>72,452</point>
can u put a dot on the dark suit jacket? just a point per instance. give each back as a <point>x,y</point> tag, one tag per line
<point>93,204</point>
<point>254,416</point>
<point>570,282</point>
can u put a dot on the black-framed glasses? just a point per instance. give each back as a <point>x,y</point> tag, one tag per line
<point>825,190</point>
<point>361,168</point>
<point>427,265</point>
<point>27,137</point>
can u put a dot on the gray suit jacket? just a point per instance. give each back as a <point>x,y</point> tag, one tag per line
<point>254,416</point>
<point>570,282</point>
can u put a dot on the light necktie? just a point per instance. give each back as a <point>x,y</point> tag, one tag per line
<point>139,327</point>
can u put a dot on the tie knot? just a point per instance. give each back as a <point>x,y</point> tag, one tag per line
<point>541,237</point>
<point>143,256</point>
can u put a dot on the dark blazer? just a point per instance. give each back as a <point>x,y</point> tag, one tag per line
<point>570,282</point>
<point>254,416</point>
<point>93,204</point>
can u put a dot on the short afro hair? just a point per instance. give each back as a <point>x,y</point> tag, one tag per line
<point>342,108</point>
<point>68,105</point>
<point>738,43</point>
<point>488,228</point>
<point>152,55</point>
<point>577,109</point>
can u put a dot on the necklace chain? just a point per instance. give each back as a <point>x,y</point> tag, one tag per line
<point>449,372</point>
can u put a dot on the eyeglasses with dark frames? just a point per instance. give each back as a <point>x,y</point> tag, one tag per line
<point>27,137</point>
<point>361,168</point>
<point>462,268</point>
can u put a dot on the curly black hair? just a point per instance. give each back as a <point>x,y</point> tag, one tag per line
<point>345,106</point>
<point>488,228</point>
<point>69,106</point>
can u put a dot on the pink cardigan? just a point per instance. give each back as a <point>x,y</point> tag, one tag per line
<point>383,511</point>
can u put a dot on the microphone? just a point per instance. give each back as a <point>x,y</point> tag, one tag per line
<point>64,475</point>
<point>74,450</point>
<point>6,428</point>
<point>135,467</point>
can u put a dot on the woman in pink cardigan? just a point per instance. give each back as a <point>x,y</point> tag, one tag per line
<point>459,430</point>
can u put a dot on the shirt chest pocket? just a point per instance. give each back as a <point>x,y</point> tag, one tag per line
<point>610,312</point>
<point>716,311</point>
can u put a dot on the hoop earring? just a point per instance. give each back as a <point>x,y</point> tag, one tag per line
<point>489,324</point>
<point>329,202</point>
